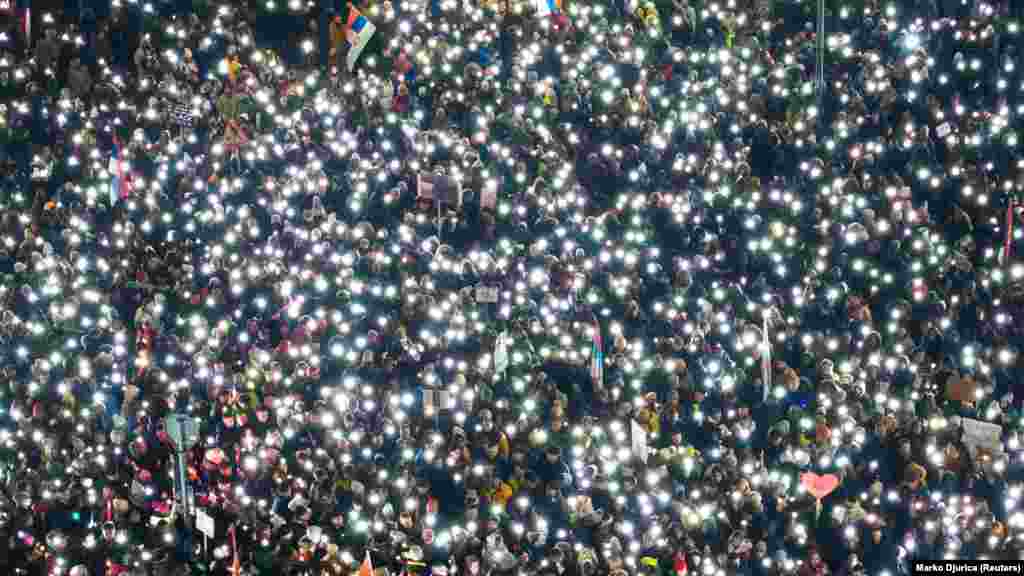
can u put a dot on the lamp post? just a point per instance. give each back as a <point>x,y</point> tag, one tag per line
<point>184,432</point>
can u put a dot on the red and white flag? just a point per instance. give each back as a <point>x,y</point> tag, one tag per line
<point>366,568</point>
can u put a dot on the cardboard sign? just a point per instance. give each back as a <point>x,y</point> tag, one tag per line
<point>204,523</point>
<point>439,187</point>
<point>41,172</point>
<point>984,435</point>
<point>961,389</point>
<point>944,130</point>
<point>182,116</point>
<point>487,294</point>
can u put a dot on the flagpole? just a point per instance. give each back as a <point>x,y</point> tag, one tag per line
<point>766,362</point>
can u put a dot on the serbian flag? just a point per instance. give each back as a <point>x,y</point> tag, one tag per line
<point>679,565</point>
<point>597,359</point>
<point>1006,252</point>
<point>366,568</point>
<point>26,23</point>
<point>358,32</point>
<point>119,186</point>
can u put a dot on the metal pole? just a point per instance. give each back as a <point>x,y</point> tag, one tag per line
<point>183,498</point>
<point>820,74</point>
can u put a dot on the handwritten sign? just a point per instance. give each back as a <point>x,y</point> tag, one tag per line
<point>204,523</point>
<point>436,400</point>
<point>983,435</point>
<point>487,294</point>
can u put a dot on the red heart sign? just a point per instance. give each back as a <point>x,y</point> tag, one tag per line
<point>819,486</point>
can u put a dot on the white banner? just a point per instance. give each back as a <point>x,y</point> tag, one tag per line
<point>204,523</point>
<point>978,434</point>
<point>639,436</point>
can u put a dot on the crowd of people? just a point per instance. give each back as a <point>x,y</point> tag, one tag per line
<point>506,287</point>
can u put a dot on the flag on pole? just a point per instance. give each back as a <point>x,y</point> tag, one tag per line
<point>119,187</point>
<point>236,563</point>
<point>358,33</point>
<point>766,362</point>
<point>1008,243</point>
<point>597,359</point>
<point>26,24</point>
<point>679,565</point>
<point>366,568</point>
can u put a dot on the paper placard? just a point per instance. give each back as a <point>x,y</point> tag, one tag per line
<point>639,437</point>
<point>978,434</point>
<point>435,400</point>
<point>944,130</point>
<point>439,187</point>
<point>204,523</point>
<point>41,172</point>
<point>487,294</point>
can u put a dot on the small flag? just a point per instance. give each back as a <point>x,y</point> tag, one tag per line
<point>366,568</point>
<point>358,32</point>
<point>679,565</point>
<point>766,362</point>
<point>548,7</point>
<point>597,359</point>
<point>26,24</point>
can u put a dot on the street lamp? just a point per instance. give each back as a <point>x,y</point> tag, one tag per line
<point>184,433</point>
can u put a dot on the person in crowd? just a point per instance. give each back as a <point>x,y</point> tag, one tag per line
<point>503,288</point>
